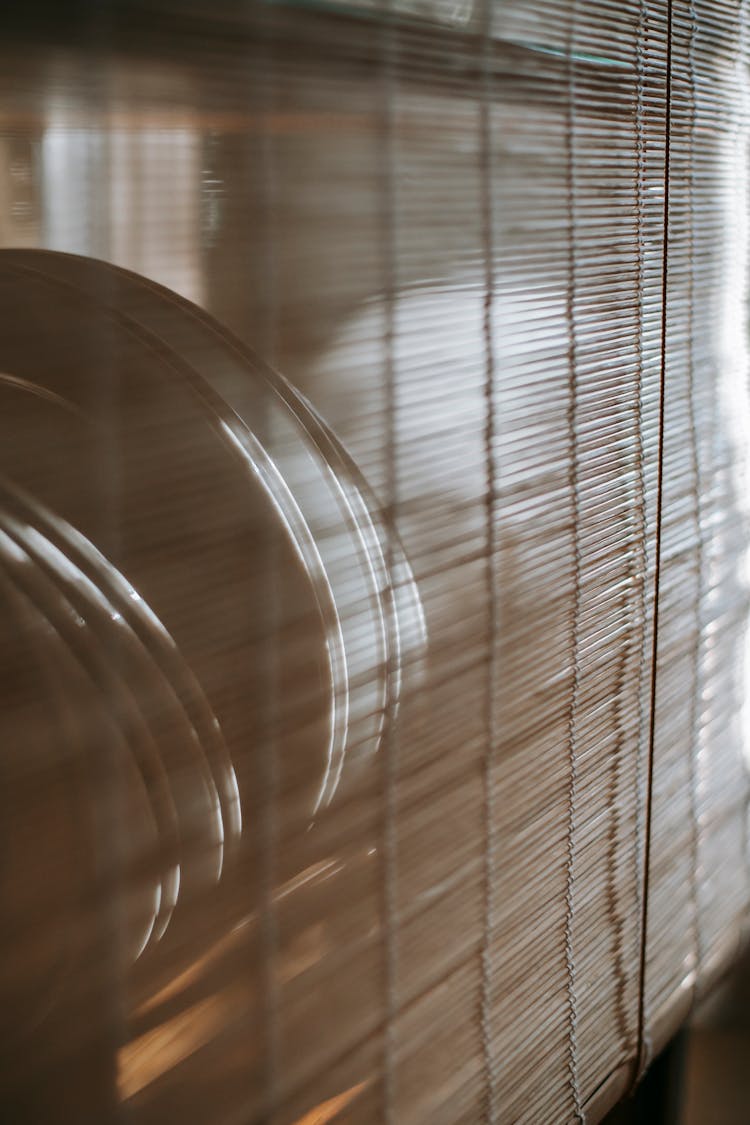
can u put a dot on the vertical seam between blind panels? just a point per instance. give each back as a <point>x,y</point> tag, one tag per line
<point>389,749</point>
<point>573,475</point>
<point>485,139</point>
<point>644,1039</point>
<point>694,713</point>
<point>641,516</point>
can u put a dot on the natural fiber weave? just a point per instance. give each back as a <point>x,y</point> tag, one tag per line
<point>375,594</point>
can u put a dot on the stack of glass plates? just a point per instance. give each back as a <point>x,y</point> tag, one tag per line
<point>205,613</point>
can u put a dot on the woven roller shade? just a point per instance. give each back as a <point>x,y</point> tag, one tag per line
<point>373,554</point>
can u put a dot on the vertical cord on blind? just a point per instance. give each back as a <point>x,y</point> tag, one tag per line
<point>631,660</point>
<point>630,609</point>
<point>743,44</point>
<point>269,807</point>
<point>110,927</point>
<point>640,507</point>
<point>695,469</point>
<point>485,157</point>
<point>641,572</point>
<point>573,478</point>
<point>389,747</point>
<point>269,812</point>
<point>644,1052</point>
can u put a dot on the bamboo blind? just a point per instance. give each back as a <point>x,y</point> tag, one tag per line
<point>373,546</point>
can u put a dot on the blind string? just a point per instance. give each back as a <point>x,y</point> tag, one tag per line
<point>640,506</point>
<point>695,469</point>
<point>629,605</point>
<point>741,60</point>
<point>633,602</point>
<point>644,1041</point>
<point>492,686</point>
<point>109,515</point>
<point>389,746</point>
<point>268,816</point>
<point>575,616</point>
<point>633,608</point>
